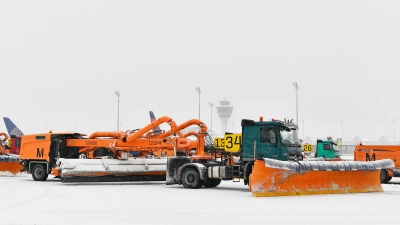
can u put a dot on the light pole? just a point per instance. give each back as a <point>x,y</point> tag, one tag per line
<point>198,91</point>
<point>118,95</point>
<point>296,86</point>
<point>341,146</point>
<point>303,130</point>
<point>341,121</point>
<point>211,105</point>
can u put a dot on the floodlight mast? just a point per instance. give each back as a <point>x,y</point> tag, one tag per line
<point>296,86</point>
<point>198,91</point>
<point>211,105</point>
<point>118,95</point>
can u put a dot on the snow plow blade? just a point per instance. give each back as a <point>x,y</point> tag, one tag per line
<point>10,165</point>
<point>282,178</point>
<point>112,170</point>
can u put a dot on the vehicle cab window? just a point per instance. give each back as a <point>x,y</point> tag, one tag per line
<point>267,135</point>
<point>289,136</point>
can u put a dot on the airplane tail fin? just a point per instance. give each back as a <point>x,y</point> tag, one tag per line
<point>156,130</point>
<point>12,129</point>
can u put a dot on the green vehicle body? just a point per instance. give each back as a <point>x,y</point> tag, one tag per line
<point>327,149</point>
<point>270,139</point>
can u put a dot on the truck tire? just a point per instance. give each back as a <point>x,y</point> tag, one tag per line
<point>39,172</point>
<point>384,176</point>
<point>191,179</point>
<point>211,182</point>
<point>248,168</point>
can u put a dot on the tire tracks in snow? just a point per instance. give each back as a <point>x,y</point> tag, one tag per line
<point>39,189</point>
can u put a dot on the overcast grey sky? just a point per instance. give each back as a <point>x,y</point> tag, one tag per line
<point>61,61</point>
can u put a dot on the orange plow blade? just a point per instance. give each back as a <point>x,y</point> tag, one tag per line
<point>9,165</point>
<point>280,178</point>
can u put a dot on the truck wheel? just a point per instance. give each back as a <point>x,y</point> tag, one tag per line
<point>39,172</point>
<point>384,176</point>
<point>211,182</point>
<point>248,168</point>
<point>191,178</point>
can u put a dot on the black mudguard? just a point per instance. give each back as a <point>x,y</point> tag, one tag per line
<point>172,167</point>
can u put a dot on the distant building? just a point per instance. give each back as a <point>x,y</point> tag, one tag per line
<point>224,111</point>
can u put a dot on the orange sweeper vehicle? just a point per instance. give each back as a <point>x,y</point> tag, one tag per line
<point>136,155</point>
<point>372,153</point>
<point>271,163</point>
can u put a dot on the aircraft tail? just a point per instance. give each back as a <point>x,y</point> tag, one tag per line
<point>12,129</point>
<point>156,130</point>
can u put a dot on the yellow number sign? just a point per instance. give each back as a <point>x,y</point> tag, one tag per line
<point>232,142</point>
<point>219,143</point>
<point>307,148</point>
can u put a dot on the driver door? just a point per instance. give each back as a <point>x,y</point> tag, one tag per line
<point>268,143</point>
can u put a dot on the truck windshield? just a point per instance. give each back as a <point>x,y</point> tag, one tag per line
<point>289,136</point>
<point>335,147</point>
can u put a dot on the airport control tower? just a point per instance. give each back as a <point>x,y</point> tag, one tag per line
<point>224,112</point>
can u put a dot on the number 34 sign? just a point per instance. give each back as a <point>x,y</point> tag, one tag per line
<point>230,142</point>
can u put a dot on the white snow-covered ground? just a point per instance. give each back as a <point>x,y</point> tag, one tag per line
<point>24,201</point>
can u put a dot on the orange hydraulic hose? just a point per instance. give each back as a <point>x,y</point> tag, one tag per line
<point>115,134</point>
<point>200,144</point>
<point>86,149</point>
<point>203,127</point>
<point>140,132</point>
<point>194,133</point>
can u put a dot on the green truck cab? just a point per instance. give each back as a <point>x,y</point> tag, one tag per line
<point>327,149</point>
<point>270,139</point>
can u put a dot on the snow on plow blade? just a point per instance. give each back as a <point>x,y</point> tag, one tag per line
<point>281,178</point>
<point>9,165</point>
<point>112,170</point>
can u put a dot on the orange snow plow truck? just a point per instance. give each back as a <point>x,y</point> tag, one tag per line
<point>137,155</point>
<point>271,163</point>
<point>371,153</point>
<point>9,160</point>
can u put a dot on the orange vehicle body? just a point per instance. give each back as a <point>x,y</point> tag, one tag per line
<point>9,163</point>
<point>114,141</point>
<point>378,152</point>
<point>46,148</point>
